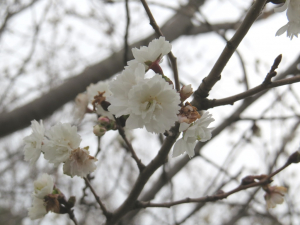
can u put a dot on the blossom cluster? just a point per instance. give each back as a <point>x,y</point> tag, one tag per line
<point>153,102</point>
<point>60,144</point>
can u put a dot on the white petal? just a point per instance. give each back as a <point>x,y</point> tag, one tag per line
<point>43,186</point>
<point>282,30</point>
<point>183,126</point>
<point>38,210</point>
<point>179,148</point>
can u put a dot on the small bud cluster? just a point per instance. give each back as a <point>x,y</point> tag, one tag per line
<point>104,124</point>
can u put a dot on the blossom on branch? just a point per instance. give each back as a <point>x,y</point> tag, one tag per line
<point>34,142</point>
<point>153,53</point>
<point>293,14</point>
<point>43,186</point>
<point>196,131</point>
<point>153,103</point>
<point>121,86</point>
<point>38,209</point>
<point>186,92</point>
<point>63,138</point>
<point>80,163</point>
<point>274,195</point>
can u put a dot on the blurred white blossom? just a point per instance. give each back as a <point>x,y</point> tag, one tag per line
<point>34,142</point>
<point>63,138</point>
<point>38,209</point>
<point>191,133</point>
<point>293,14</point>
<point>43,186</point>
<point>80,163</point>
<point>81,104</point>
<point>274,195</point>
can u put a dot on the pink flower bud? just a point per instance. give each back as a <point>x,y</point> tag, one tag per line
<point>103,120</point>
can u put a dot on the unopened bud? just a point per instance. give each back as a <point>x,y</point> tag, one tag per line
<point>103,120</point>
<point>247,180</point>
<point>71,201</point>
<point>186,92</point>
<point>256,130</point>
<point>294,158</point>
<point>99,130</point>
<point>106,123</point>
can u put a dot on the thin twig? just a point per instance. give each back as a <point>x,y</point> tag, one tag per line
<point>262,87</point>
<point>138,161</point>
<point>10,15</point>
<point>172,58</point>
<point>72,216</point>
<point>106,213</point>
<point>126,33</point>
<point>222,34</point>
<point>215,74</point>
<point>215,197</point>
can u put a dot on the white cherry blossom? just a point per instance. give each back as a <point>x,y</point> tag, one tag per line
<point>63,138</point>
<point>34,142</point>
<point>274,195</point>
<point>38,209</point>
<point>121,86</point>
<point>153,103</point>
<point>80,163</point>
<point>197,131</point>
<point>293,14</point>
<point>43,186</point>
<point>154,52</point>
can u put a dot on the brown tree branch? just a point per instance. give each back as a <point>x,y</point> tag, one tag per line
<point>262,87</point>
<point>172,58</point>
<point>106,213</point>
<point>138,161</point>
<point>158,161</point>
<point>215,197</point>
<point>215,74</point>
